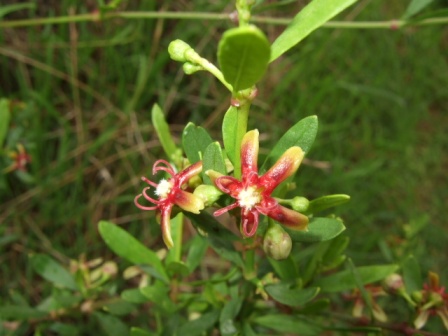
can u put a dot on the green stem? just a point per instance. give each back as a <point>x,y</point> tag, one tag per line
<point>215,17</point>
<point>243,116</point>
<point>249,261</point>
<point>243,9</point>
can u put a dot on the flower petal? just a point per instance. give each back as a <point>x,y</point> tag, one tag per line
<point>166,226</point>
<point>285,166</point>
<point>421,319</point>
<point>289,218</point>
<point>249,223</point>
<point>249,154</point>
<point>189,172</point>
<point>188,202</point>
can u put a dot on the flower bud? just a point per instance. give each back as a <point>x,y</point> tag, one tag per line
<point>177,50</point>
<point>300,204</point>
<point>277,243</point>
<point>393,284</point>
<point>208,193</point>
<point>190,68</point>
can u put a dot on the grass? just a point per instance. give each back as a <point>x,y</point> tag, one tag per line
<point>83,94</point>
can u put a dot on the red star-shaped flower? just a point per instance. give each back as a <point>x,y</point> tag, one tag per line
<point>253,192</point>
<point>171,192</point>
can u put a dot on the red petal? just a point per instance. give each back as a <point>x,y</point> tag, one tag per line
<point>289,218</point>
<point>249,223</point>
<point>249,154</point>
<point>189,172</point>
<point>188,202</point>
<point>286,166</point>
<point>166,226</point>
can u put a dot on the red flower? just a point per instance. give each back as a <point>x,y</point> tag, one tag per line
<point>21,159</point>
<point>253,192</point>
<point>171,192</point>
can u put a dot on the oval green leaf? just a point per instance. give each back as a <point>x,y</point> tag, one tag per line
<point>344,281</point>
<point>314,15</point>
<point>195,140</point>
<point>283,293</point>
<point>10,312</point>
<point>287,324</point>
<point>243,55</point>
<point>213,159</point>
<point>52,271</point>
<point>302,134</point>
<point>126,246</point>
<point>230,133</point>
<point>326,202</point>
<point>111,325</point>
<point>319,229</point>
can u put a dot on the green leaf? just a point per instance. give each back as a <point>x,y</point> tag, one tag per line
<point>334,254</point>
<point>414,7</point>
<point>5,10</point>
<point>302,134</point>
<point>344,280</point>
<point>326,202</point>
<point>4,120</point>
<point>52,271</point>
<point>141,332</point>
<point>134,296</point>
<point>163,132</point>
<point>177,269</point>
<point>199,325</point>
<point>230,310</point>
<point>196,252</point>
<point>111,325</point>
<point>243,56</point>
<point>319,229</point>
<point>287,324</point>
<point>20,313</point>
<point>283,293</point>
<point>230,129</point>
<point>286,269</point>
<point>213,159</point>
<point>195,140</point>
<point>225,249</point>
<point>209,224</point>
<point>158,294</point>
<point>412,275</point>
<point>126,246</point>
<point>314,15</point>
<point>119,307</point>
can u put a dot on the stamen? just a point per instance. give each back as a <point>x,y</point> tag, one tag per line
<point>164,188</point>
<point>151,183</point>
<point>168,167</point>
<point>221,182</point>
<point>249,197</point>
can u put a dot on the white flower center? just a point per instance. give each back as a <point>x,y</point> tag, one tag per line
<point>163,188</point>
<point>249,197</point>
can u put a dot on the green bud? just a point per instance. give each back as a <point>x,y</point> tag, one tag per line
<point>417,296</point>
<point>300,204</point>
<point>277,243</point>
<point>177,50</point>
<point>208,193</point>
<point>190,68</point>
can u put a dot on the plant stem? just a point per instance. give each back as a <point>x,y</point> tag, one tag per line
<point>95,17</point>
<point>243,116</point>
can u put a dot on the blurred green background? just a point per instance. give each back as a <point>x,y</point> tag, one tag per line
<point>82,94</point>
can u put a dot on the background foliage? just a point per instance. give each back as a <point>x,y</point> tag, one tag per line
<point>82,94</point>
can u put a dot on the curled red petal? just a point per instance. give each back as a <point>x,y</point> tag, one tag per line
<point>285,166</point>
<point>289,218</point>
<point>164,166</point>
<point>225,209</point>
<point>138,205</point>
<point>249,154</point>
<point>145,195</point>
<point>151,183</point>
<point>228,184</point>
<point>249,222</point>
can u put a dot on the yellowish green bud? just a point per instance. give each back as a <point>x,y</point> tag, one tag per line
<point>190,68</point>
<point>393,283</point>
<point>177,50</point>
<point>277,243</point>
<point>300,204</point>
<point>208,193</point>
